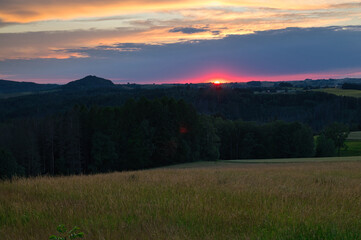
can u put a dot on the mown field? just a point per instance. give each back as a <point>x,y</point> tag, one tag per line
<point>356,135</point>
<point>341,92</point>
<point>219,200</point>
<point>253,162</point>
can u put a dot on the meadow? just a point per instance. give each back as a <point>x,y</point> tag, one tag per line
<point>215,200</point>
<point>353,145</point>
<point>353,148</point>
<point>341,92</point>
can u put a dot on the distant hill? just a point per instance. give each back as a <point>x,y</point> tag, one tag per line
<point>88,82</point>
<point>9,87</point>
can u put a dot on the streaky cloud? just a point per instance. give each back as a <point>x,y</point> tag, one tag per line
<point>188,30</point>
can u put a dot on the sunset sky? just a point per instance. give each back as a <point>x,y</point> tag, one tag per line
<point>159,41</point>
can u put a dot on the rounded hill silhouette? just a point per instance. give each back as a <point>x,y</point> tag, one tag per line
<point>88,82</point>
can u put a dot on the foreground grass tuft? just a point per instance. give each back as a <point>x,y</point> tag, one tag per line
<point>225,201</point>
<point>64,234</point>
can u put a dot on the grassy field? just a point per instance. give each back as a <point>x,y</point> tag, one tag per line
<point>353,148</point>
<point>212,201</point>
<point>341,92</point>
<point>353,144</point>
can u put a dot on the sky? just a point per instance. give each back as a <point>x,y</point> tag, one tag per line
<point>179,41</point>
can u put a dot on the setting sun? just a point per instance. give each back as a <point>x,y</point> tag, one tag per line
<point>218,81</point>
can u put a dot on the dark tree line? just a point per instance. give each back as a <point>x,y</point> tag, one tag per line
<point>247,140</point>
<point>143,134</point>
<point>140,134</point>
<point>331,140</point>
<point>351,86</point>
<point>314,109</point>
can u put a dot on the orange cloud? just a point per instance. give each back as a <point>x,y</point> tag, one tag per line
<point>44,44</point>
<point>219,18</point>
<point>23,11</point>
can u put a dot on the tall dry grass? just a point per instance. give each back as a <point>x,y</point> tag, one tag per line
<point>288,201</point>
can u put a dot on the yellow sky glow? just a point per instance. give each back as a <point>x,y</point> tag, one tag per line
<point>24,11</point>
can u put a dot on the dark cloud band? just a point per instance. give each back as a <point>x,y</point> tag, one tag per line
<point>189,30</point>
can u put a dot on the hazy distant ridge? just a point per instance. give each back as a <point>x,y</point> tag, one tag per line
<point>7,86</point>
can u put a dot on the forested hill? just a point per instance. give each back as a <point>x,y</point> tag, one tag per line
<point>312,108</point>
<point>88,82</point>
<point>7,86</point>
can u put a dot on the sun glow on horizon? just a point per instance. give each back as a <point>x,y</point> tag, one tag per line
<point>218,81</point>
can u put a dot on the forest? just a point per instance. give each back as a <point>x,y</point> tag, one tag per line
<point>143,134</point>
<point>92,125</point>
<point>315,109</point>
